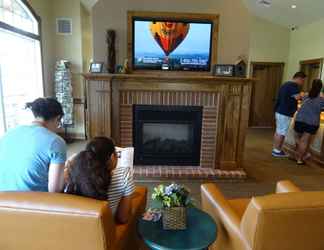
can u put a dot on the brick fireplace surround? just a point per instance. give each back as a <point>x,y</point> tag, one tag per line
<point>225,105</point>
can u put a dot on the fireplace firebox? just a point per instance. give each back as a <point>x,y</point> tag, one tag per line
<point>167,135</point>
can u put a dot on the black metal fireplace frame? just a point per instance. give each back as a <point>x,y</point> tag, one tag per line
<point>177,115</point>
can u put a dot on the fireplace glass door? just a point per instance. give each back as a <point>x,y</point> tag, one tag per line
<point>167,135</point>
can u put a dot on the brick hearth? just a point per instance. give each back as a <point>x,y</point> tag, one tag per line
<point>169,172</point>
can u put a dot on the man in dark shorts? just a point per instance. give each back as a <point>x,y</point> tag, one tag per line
<point>285,108</point>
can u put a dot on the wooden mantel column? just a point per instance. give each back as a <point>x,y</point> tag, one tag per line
<point>225,102</point>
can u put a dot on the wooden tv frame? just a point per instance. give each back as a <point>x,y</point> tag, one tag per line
<point>174,16</point>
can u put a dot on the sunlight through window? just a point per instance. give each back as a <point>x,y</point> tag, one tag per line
<point>20,63</point>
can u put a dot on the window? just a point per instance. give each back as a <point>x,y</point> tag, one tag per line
<point>20,62</point>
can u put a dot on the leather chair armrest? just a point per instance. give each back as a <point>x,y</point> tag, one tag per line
<point>228,221</point>
<point>214,203</point>
<point>126,234</point>
<point>287,186</point>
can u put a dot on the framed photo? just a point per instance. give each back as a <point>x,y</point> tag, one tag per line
<point>224,70</point>
<point>96,67</point>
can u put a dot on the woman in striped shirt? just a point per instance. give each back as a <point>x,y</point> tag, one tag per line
<point>93,173</point>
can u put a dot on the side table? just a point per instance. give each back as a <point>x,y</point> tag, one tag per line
<point>201,232</point>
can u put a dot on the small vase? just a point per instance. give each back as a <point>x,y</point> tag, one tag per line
<point>174,218</point>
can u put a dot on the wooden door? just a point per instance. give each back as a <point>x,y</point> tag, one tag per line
<point>269,78</point>
<point>313,70</point>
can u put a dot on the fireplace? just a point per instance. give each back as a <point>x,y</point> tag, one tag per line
<point>167,135</point>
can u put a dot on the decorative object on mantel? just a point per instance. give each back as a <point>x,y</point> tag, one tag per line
<point>63,91</point>
<point>111,57</point>
<point>119,69</point>
<point>241,66</point>
<point>125,69</point>
<point>238,69</point>
<point>223,70</point>
<point>96,67</point>
<point>173,200</point>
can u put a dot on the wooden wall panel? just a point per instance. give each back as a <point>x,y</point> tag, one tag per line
<point>99,109</point>
<point>232,123</point>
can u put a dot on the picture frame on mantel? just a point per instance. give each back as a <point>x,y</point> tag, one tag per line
<point>196,17</point>
<point>96,67</point>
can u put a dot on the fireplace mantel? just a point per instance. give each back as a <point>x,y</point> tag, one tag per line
<point>166,77</point>
<point>225,102</point>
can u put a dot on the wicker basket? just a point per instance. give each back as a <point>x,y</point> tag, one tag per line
<point>174,218</point>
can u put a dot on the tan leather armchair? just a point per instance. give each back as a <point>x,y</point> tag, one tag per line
<point>48,221</point>
<point>288,220</point>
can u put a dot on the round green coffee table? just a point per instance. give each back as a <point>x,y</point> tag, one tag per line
<point>201,232</point>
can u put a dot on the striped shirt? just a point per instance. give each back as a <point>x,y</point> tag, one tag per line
<point>121,185</point>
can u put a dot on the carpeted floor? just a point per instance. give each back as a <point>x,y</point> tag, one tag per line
<point>263,171</point>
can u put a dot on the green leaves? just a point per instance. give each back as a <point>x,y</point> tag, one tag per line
<point>171,196</point>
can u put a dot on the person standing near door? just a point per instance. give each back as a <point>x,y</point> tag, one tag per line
<point>285,108</point>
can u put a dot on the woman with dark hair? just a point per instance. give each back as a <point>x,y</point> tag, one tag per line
<point>93,173</point>
<point>308,120</point>
<point>32,157</point>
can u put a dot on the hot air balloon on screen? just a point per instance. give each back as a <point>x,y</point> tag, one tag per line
<point>169,35</point>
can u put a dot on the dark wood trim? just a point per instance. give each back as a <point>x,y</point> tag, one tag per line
<point>29,34</point>
<point>253,63</point>
<point>320,61</point>
<point>268,63</point>
<point>32,11</point>
<point>39,20</point>
<point>175,16</point>
<point>115,103</point>
<point>312,61</point>
<point>162,77</point>
<point>78,101</point>
<point>86,110</point>
<point>19,31</point>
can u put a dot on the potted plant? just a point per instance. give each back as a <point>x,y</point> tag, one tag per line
<point>173,200</point>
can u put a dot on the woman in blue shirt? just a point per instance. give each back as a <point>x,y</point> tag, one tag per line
<point>32,157</point>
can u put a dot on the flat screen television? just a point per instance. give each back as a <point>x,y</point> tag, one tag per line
<point>172,45</point>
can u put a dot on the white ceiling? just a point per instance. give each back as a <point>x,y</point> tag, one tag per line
<point>280,11</point>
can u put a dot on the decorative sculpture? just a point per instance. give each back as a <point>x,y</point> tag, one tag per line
<point>111,57</point>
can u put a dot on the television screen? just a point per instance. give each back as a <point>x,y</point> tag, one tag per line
<point>172,45</point>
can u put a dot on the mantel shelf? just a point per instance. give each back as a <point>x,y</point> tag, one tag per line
<point>165,77</point>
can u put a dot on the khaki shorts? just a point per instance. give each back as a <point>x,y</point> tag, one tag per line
<point>282,124</point>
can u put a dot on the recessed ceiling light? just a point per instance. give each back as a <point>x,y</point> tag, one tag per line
<point>294,6</point>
